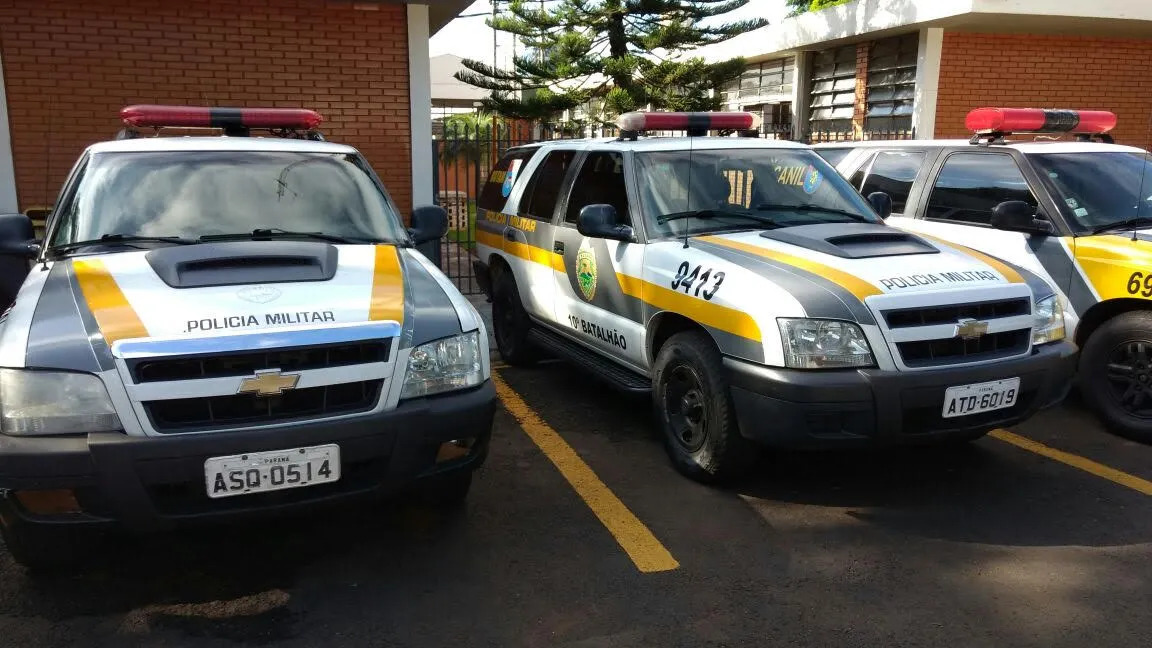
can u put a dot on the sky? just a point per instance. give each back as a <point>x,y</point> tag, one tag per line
<point>471,38</point>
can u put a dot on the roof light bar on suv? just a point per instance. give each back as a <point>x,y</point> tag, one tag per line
<point>695,123</point>
<point>990,125</point>
<point>236,122</point>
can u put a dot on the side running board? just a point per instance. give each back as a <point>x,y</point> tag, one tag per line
<point>619,377</point>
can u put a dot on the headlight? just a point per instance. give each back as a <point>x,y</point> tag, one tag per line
<point>444,365</point>
<point>1048,321</point>
<point>823,344</point>
<point>34,403</point>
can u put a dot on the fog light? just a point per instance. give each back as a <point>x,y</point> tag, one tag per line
<point>48,502</point>
<point>455,449</point>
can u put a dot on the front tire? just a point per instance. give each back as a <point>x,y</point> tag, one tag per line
<point>695,412</point>
<point>1116,374</point>
<point>510,322</point>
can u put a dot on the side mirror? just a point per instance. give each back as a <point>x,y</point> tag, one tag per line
<point>429,223</point>
<point>881,202</point>
<point>599,221</point>
<point>1019,216</point>
<point>17,237</point>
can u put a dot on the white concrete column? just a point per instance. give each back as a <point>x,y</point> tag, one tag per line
<point>928,59</point>
<point>420,104</point>
<point>801,93</point>
<point>8,204</point>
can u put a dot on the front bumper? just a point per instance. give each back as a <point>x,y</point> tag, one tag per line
<point>149,483</point>
<point>821,409</point>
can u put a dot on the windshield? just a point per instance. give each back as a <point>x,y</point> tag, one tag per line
<point>727,186</point>
<point>1098,189</point>
<point>192,194</point>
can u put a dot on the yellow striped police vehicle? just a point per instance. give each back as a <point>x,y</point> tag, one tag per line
<point>756,296</point>
<point>1076,212</point>
<point>220,326</point>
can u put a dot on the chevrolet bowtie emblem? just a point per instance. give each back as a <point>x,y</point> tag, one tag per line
<point>268,382</point>
<point>970,329</point>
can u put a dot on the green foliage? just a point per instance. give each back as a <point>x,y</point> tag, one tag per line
<point>467,137</point>
<point>624,52</point>
<point>804,6</point>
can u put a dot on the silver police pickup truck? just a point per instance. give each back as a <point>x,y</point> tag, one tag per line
<point>219,326</point>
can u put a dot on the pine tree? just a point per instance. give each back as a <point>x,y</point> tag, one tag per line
<point>804,6</point>
<point>625,52</point>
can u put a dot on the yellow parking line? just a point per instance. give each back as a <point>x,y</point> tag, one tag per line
<point>635,539</point>
<point>1087,465</point>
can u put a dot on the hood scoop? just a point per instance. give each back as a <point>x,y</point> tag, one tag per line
<point>852,240</point>
<point>234,263</point>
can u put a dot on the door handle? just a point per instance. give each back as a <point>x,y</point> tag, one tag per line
<point>510,234</point>
<point>558,247</point>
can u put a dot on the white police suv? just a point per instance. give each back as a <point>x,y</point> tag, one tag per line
<point>217,326</point>
<point>1077,213</point>
<point>756,295</point>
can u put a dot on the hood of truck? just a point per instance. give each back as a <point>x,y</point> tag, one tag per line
<point>83,306</point>
<point>866,259</point>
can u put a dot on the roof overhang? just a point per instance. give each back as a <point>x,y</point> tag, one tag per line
<point>440,12</point>
<point>870,19</point>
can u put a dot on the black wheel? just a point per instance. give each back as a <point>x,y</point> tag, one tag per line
<point>1116,374</point>
<point>510,322</point>
<point>695,413</point>
<point>448,491</point>
<point>41,551</point>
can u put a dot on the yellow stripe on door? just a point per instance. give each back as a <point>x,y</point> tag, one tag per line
<point>114,315</point>
<point>387,286</point>
<point>709,314</point>
<point>1116,266</point>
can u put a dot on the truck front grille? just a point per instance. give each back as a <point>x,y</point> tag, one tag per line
<point>247,363</point>
<point>950,314</point>
<point>242,410</point>
<point>991,346</point>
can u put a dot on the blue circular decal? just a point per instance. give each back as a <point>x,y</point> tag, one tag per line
<point>812,179</point>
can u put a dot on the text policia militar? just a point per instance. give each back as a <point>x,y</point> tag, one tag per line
<point>266,319</point>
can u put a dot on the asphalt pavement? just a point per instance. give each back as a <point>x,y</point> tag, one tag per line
<point>579,533</point>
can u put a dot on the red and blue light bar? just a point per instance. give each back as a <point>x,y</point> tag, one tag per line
<point>636,122</point>
<point>1039,120</point>
<point>153,116</point>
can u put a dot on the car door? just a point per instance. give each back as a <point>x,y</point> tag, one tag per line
<point>957,205</point>
<point>899,172</point>
<point>525,224</point>
<point>591,305</point>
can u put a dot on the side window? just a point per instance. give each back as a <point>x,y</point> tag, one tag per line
<point>496,190</point>
<point>857,178</point>
<point>601,181</point>
<point>971,184</point>
<point>893,172</point>
<point>833,155</point>
<point>544,188</point>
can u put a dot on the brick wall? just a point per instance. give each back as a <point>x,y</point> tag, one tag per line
<point>1026,71</point>
<point>860,108</point>
<point>70,66</point>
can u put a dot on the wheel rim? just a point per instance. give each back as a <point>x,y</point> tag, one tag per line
<point>1129,373</point>
<point>686,408</point>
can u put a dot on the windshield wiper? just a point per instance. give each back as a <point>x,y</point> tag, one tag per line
<point>118,239</point>
<point>275,232</point>
<point>1124,224</point>
<point>809,207</point>
<point>714,213</point>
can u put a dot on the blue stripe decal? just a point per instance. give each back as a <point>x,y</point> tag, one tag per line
<point>256,340</point>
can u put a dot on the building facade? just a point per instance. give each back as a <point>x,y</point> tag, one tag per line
<point>898,68</point>
<point>67,67</point>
